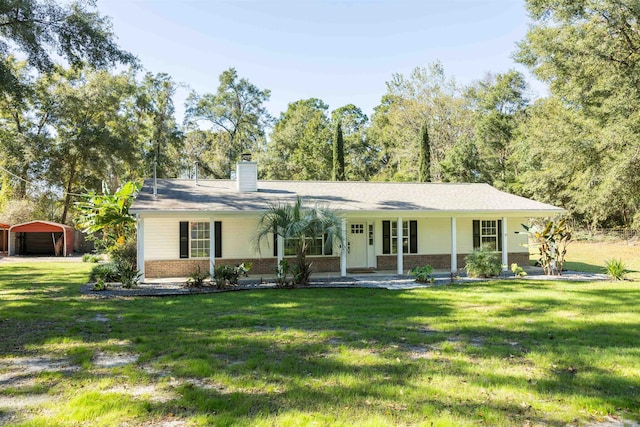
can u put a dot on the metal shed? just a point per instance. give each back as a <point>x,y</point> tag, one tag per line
<point>41,238</point>
<point>4,238</point>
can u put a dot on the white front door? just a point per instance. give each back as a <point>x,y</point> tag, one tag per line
<point>357,245</point>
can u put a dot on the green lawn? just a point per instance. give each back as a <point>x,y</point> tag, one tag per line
<point>497,353</point>
<point>592,256</point>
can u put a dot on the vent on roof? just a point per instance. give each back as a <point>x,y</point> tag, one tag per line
<point>247,175</point>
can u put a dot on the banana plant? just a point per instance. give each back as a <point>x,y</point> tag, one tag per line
<point>551,244</point>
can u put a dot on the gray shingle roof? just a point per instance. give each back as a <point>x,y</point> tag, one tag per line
<point>221,196</point>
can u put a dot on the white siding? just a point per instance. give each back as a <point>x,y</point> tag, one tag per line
<point>434,236</point>
<point>238,239</point>
<point>162,238</point>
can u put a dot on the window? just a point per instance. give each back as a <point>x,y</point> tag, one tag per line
<point>195,239</point>
<point>487,234</point>
<point>199,240</point>
<point>390,237</point>
<point>317,246</point>
<point>370,234</point>
<point>357,228</point>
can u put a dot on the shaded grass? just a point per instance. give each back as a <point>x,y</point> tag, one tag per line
<point>497,353</point>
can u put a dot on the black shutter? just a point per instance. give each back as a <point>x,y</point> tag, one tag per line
<point>413,237</point>
<point>275,245</point>
<point>386,237</point>
<point>184,239</point>
<point>499,234</point>
<point>476,234</point>
<point>218,243</point>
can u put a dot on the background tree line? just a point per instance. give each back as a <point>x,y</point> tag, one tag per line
<point>66,128</point>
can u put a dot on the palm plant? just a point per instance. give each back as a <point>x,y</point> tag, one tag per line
<point>300,226</point>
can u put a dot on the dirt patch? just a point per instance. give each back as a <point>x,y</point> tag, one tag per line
<point>21,371</point>
<point>114,360</point>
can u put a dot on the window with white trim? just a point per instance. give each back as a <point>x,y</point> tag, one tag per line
<point>200,239</point>
<point>390,237</point>
<point>487,234</point>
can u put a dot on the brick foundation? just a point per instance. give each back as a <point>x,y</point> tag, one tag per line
<point>185,267</point>
<point>389,262</point>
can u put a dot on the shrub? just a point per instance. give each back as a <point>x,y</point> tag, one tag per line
<point>282,275</point>
<point>107,272</point>
<point>128,272</point>
<point>616,269</point>
<point>227,275</point>
<point>93,258</point>
<point>422,274</point>
<point>197,278</point>
<point>124,256</point>
<point>125,252</point>
<point>483,263</point>
<point>517,270</point>
<point>100,285</point>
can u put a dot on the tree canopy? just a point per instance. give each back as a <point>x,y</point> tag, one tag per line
<point>70,123</point>
<point>37,28</point>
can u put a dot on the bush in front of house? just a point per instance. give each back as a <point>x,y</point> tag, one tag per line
<point>107,272</point>
<point>228,275</point>
<point>422,274</point>
<point>197,278</point>
<point>483,263</point>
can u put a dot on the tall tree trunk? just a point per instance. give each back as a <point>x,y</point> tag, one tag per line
<point>67,196</point>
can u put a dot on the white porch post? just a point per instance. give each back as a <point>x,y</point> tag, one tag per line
<point>140,244</point>
<point>454,246</point>
<point>400,247</point>
<point>12,245</point>
<point>280,252</point>
<point>505,247</point>
<point>212,246</point>
<point>343,250</point>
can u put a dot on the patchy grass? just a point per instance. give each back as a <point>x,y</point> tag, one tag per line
<point>592,256</point>
<point>495,353</point>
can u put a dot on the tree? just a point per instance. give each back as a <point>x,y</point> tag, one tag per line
<point>108,214</point>
<point>236,110</point>
<point>425,96</point>
<point>300,145</point>
<point>75,31</point>
<point>87,117</point>
<point>424,174</point>
<point>338,154</point>
<point>360,153</point>
<point>301,226</point>
<point>498,103</point>
<point>24,132</point>
<point>587,51</point>
<point>159,137</point>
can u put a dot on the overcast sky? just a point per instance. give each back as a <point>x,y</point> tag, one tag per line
<point>339,51</point>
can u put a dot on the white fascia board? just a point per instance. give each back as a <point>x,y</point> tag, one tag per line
<point>361,214</point>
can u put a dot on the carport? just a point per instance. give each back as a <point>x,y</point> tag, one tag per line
<point>4,238</point>
<point>41,238</point>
